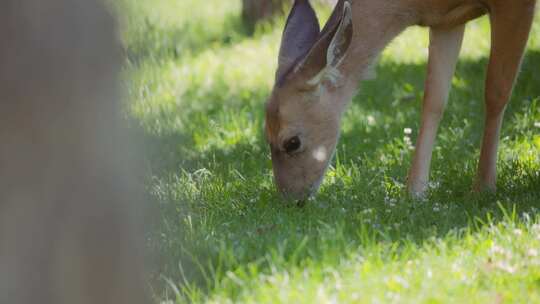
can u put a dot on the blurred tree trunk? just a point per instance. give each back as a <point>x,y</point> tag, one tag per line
<point>254,11</point>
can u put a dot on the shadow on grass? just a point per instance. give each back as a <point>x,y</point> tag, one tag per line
<point>232,216</point>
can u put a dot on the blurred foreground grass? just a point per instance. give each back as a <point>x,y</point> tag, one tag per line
<point>197,85</point>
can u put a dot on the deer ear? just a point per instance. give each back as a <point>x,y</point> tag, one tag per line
<point>300,34</point>
<point>328,53</point>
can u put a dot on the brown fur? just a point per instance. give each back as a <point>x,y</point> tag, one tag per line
<point>375,24</point>
<point>272,122</point>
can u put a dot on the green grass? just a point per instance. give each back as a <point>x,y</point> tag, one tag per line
<point>196,89</point>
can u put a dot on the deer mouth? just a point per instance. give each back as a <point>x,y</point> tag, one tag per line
<point>300,198</point>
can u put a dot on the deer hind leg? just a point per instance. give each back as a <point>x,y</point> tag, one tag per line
<point>510,26</point>
<point>444,48</point>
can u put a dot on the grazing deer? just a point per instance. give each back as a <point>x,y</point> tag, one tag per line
<point>319,71</point>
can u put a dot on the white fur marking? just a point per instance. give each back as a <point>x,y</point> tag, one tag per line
<point>332,74</point>
<point>320,154</point>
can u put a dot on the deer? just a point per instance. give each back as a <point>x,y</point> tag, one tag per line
<point>320,70</point>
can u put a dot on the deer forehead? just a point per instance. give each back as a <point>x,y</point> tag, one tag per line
<point>274,110</point>
<point>272,122</point>
<point>291,110</point>
<point>279,124</point>
<point>281,120</point>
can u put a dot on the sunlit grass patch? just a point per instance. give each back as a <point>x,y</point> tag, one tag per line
<point>479,267</point>
<point>214,99</point>
<point>161,30</point>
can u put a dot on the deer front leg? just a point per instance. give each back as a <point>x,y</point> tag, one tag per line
<point>444,48</point>
<point>510,22</point>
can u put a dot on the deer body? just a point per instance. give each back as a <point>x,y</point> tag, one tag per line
<point>319,72</point>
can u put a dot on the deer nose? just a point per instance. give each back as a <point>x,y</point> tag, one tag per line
<point>291,195</point>
<point>299,196</point>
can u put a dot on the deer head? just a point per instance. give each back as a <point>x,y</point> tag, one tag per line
<point>304,110</point>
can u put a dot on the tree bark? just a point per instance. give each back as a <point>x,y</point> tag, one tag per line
<point>254,11</point>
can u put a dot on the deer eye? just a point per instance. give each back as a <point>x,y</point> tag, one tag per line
<point>292,145</point>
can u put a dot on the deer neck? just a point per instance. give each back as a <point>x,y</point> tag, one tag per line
<point>374,28</point>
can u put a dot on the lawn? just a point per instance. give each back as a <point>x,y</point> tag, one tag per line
<point>196,87</point>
